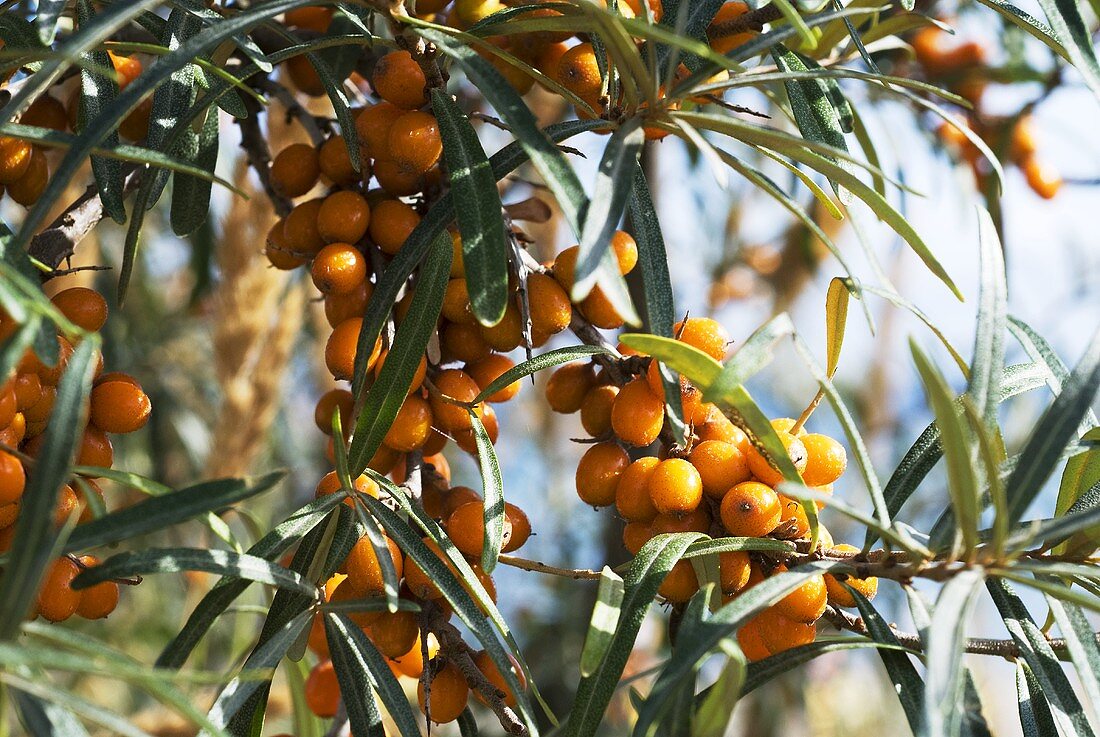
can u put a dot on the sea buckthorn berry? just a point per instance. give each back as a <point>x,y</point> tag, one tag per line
<point>551,310</point>
<point>373,128</point>
<point>322,690</point>
<point>1042,178</point>
<point>411,426</point>
<point>793,522</point>
<point>521,528</point>
<point>56,599</point>
<point>725,43</point>
<point>786,424</point>
<point>40,410</point>
<point>300,233</point>
<point>705,334</point>
<point>98,601</point>
<point>446,696</point>
<point>135,126</point>
<point>399,80</point>
<point>750,509</point>
<point>463,342</point>
<point>13,479</point>
<point>344,217</point>
<point>695,521</point>
<point>330,402</point>
<point>456,303</point>
<point>312,17</point>
<point>675,487</point>
<point>420,583</point>
<point>330,484</point>
<point>295,170</point>
<point>9,405</point>
<point>119,407</point>
<point>469,12</point>
<point>632,497</point>
<point>840,596</point>
<point>487,370</point>
<point>734,567</point>
<point>411,664</point>
<point>721,466</point>
<point>392,221</point>
<point>28,188</point>
<point>598,473</point>
<point>565,266</point>
<point>805,604</point>
<point>488,668</point>
<point>127,68</point>
<point>383,460</point>
<point>680,583</point>
<point>28,390</point>
<point>414,142</point>
<point>568,386</point>
<point>393,633</point>
<point>454,498</point>
<point>335,163</point>
<point>596,409</point>
<point>635,535</point>
<point>467,441</point>
<point>364,569</point>
<point>639,9</point>
<point>579,71</point>
<point>95,449</point>
<point>341,307</point>
<point>398,181</point>
<point>825,459</point>
<point>46,112</point>
<point>15,159</point>
<point>84,307</point>
<point>466,528</point>
<point>626,251</point>
<point>303,76</point>
<point>455,384</point>
<point>338,268</point>
<point>719,427</point>
<point>637,415</point>
<point>507,334</point>
<point>762,468</point>
<point>781,634</point>
<point>278,250</point>
<point>751,642</point>
<point>341,347</point>
<point>599,311</point>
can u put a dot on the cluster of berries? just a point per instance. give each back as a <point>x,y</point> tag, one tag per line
<point>720,485</point>
<point>117,405</point>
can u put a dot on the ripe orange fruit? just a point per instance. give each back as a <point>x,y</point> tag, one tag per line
<point>300,233</point>
<point>596,409</point>
<point>626,251</point>
<point>466,528</point>
<point>675,487</point>
<point>598,473</point>
<point>392,221</point>
<point>414,142</point>
<point>412,425</point>
<point>330,402</point>
<point>95,449</point>
<point>825,459</point>
<point>84,307</point>
<point>507,334</point>
<point>278,250</point>
<point>373,127</point>
<point>119,407</point>
<point>13,479</point>
<point>303,76</point>
<point>456,303</point>
<point>411,664</point>
<point>750,509</point>
<point>341,346</point>
<point>97,602</point>
<point>341,307</point>
<point>762,468</point>
<point>398,181</point>
<point>456,384</point>
<point>635,535</point>
<point>1043,179</point>
<point>487,370</point>
<point>680,583</point>
<point>734,567</point>
<point>399,80</point>
<point>322,690</point>
<point>9,405</point>
<point>393,633</point>
<point>330,484</point>
<point>780,633</point>
<point>446,696</point>
<point>551,311</point>
<point>565,266</point>
<point>46,112</point>
<point>806,603</point>
<point>492,674</point>
<point>419,582</point>
<point>632,497</point>
<point>840,596</point>
<point>40,410</point>
<point>517,519</point>
<point>56,599</point>
<point>568,386</point>
<point>28,390</point>
<point>793,522</point>
<point>721,466</point>
<point>599,311</point>
<point>751,642</point>
<point>705,334</point>
<point>579,72</point>
<point>365,572</point>
<point>463,342</point>
<point>295,170</point>
<point>28,188</point>
<point>338,268</point>
<point>15,159</point>
<point>335,163</point>
<point>696,521</point>
<point>725,43</point>
<point>312,18</point>
<point>343,217</point>
<point>639,10</point>
<point>637,415</point>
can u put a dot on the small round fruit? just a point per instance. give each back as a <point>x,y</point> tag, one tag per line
<point>806,603</point>
<point>455,384</point>
<point>632,497</point>
<point>568,386</point>
<point>781,634</point>
<point>487,370</point>
<point>466,528</point>
<point>373,128</point>
<point>57,601</point>
<point>84,307</point>
<point>98,601</point>
<point>596,409</point>
<point>517,519</point>
<point>322,690</point>
<point>364,569</point>
<point>414,142</point>
<point>15,159</point>
<point>551,311</point>
<point>637,415</point>
<point>579,71</point>
<point>705,334</point>
<point>680,583</point>
<point>95,449</point>
<point>28,188</point>
<point>762,468</point>
<point>675,487</point>
<point>338,268</point>
<point>412,425</point>
<point>344,217</point>
<point>341,347</point>
<point>626,251</point>
<point>488,668</point>
<point>635,535</point>
<point>393,633</point>
<point>446,696</point>
<point>825,459</point>
<point>399,80</point>
<point>598,473</point>
<point>721,466</point>
<point>119,407</point>
<point>734,567</point>
<point>840,596</point>
<point>330,484</point>
<point>300,232</point>
<point>295,170</point>
<point>750,509</point>
<point>335,163</point>
<point>330,402</point>
<point>750,641</point>
<point>391,223</point>
<point>13,479</point>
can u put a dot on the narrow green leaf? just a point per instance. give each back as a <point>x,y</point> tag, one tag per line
<point>712,718</point>
<point>1081,643</point>
<point>97,94</point>
<point>1069,26</point>
<point>191,195</point>
<point>908,684</point>
<point>604,621</point>
<point>492,483</point>
<point>478,209</point>
<point>1035,717</point>
<point>538,363</point>
<point>836,318</point>
<point>989,342</point>
<point>45,719</point>
<point>698,367</point>
<point>1030,24</point>
<point>944,680</point>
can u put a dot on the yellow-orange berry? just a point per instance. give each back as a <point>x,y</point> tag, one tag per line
<point>13,479</point>
<point>28,188</point>
<point>466,528</point>
<point>564,267</point>
<point>721,466</point>
<point>95,449</point>
<point>680,583</point>
<point>806,603</point>
<point>626,251</point>
<point>705,334</point>
<point>734,567</point>
<point>750,509</point>
<point>1042,178</point>
<point>598,473</point>
<point>311,17</point>
<point>579,71</point>
<point>338,268</point>
<point>414,142</point>
<point>295,170</point>
<point>341,307</point>
<point>507,334</point>
<point>456,303</point>
<point>300,233</point>
<point>15,159</point>
<point>411,426</point>
<point>517,519</point>
<point>373,128</point>
<point>364,569</point>
<point>487,370</point>
<point>599,311</point>
<point>763,469</point>
<point>343,217</point>
<point>119,407</point>
<point>840,596</point>
<point>637,415</point>
<point>675,487</point>
<point>463,342</point>
<point>635,535</point>
<point>98,601</point>
<point>399,80</point>
<point>750,641</point>
<point>780,633</point>
<point>330,402</point>
<point>335,162</point>
<point>278,250</point>
<point>551,310</point>
<point>632,497</point>
<point>330,484</point>
<point>596,409</point>
<point>698,520</point>
<point>84,307</point>
<point>391,223</point>
<point>825,460</point>
<point>725,43</point>
<point>417,579</point>
<point>341,347</point>
<point>322,690</point>
<point>46,112</point>
<point>56,599</point>
<point>455,384</point>
<point>488,668</point>
<point>446,696</point>
<point>568,386</point>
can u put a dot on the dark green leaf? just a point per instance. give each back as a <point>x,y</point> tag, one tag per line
<point>1035,717</point>
<point>1070,28</point>
<point>989,343</point>
<point>492,483</point>
<point>944,680</point>
<point>191,195</point>
<point>532,365</point>
<point>97,95</point>
<point>903,674</point>
<point>46,17</point>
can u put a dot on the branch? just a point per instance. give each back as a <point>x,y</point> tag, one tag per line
<point>259,155</point>
<point>537,567</point>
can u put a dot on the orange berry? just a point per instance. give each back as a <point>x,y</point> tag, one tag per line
<point>721,466</point>
<point>28,188</point>
<point>637,414</point>
<point>343,218</point>
<point>335,162</point>
<point>599,311</point>
<point>341,347</point>
<point>398,181</point>
<point>13,479</point>
<point>40,410</point>
<point>780,633</point>
<point>399,80</point>
<point>840,596</point>
<point>330,484</point>
<point>626,251</point>
<point>517,519</point>
<point>300,233</point>
<point>596,409</point>
<point>734,567</point>
<point>9,405</point>
<point>338,268</point>
<point>95,449</point>
<point>414,142</point>
<point>364,569</point>
<point>295,170</point>
<point>456,303</point>
<point>750,509</point>
<point>394,633</point>
<point>638,9</point>
<point>97,602</point>
<point>784,425</point>
<point>373,128</point>
<point>551,311</point>
<point>793,522</point>
<point>507,334</point>
<point>465,438</point>
<point>705,334</point>
<point>392,221</point>
<point>456,384</point>
<point>568,386</point>
<point>411,426</point>
<point>489,669</point>
<point>565,266</point>
<point>341,307</point>
<point>579,71</point>
<point>675,487</point>
<point>487,370</point>
<point>1043,179</point>
<point>28,390</point>
<point>312,18</point>
<point>696,521</point>
<point>635,535</point>
<point>632,497</point>
<point>278,250</point>
<point>46,112</point>
<point>303,76</point>
<point>84,307</point>
<point>806,603</point>
<point>446,696</point>
<point>463,342</point>
<point>726,43</point>
<point>127,68</point>
<point>56,599</point>
<point>680,583</point>
<point>119,407</point>
<point>825,459</point>
<point>466,528</point>
<point>762,468</point>
<point>598,473</point>
<point>15,159</point>
<point>751,642</point>
<point>322,690</point>
<point>419,582</point>
<point>330,402</point>
<point>411,664</point>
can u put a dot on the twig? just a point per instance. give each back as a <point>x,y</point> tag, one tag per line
<point>537,567</point>
<point>259,155</point>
